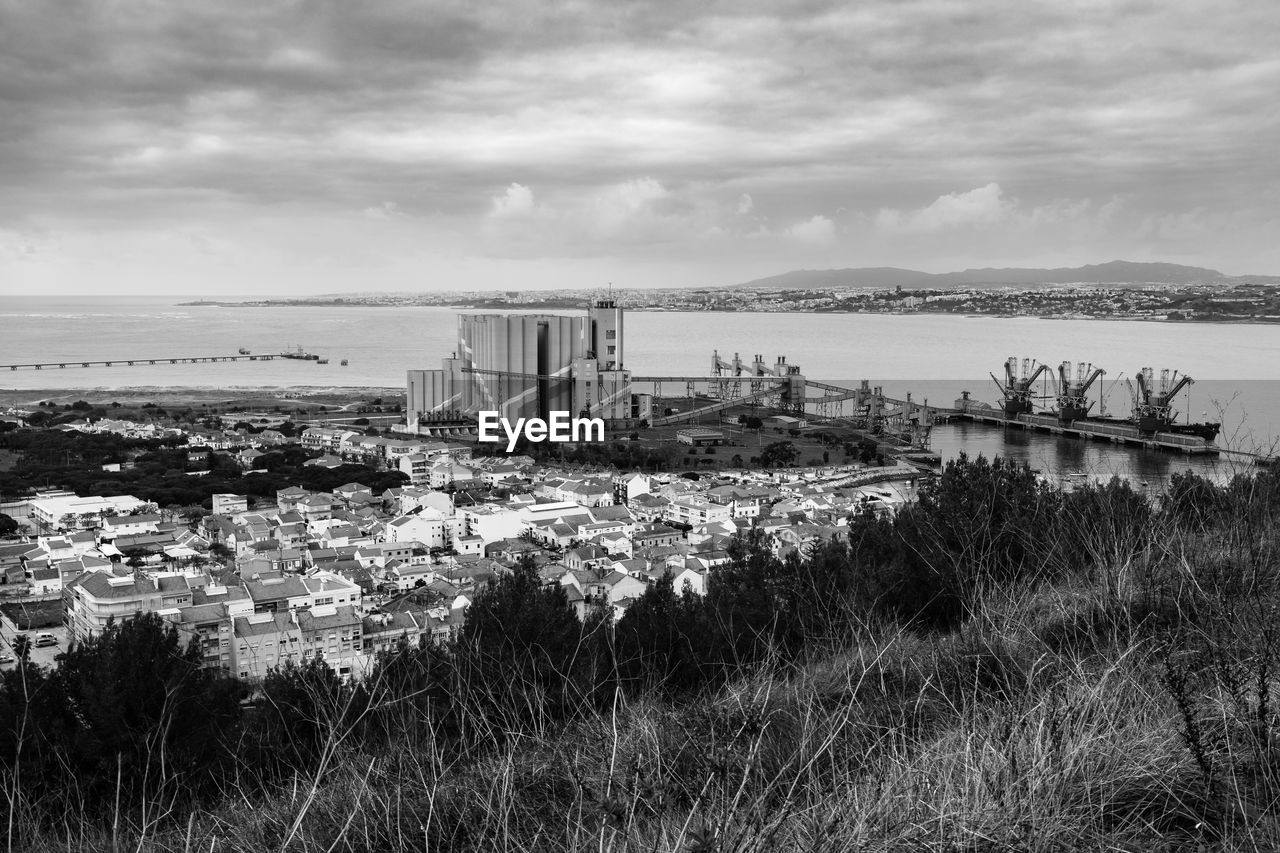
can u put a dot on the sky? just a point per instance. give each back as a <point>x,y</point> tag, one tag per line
<point>294,147</point>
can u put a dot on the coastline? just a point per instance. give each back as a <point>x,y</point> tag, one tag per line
<point>566,306</point>
<point>264,395</point>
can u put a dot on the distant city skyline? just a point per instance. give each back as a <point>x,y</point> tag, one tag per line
<point>298,149</point>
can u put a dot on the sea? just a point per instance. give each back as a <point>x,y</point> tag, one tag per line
<point>933,357</point>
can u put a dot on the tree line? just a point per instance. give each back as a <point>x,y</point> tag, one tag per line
<point>159,469</point>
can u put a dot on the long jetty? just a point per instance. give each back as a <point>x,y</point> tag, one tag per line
<point>1114,433</point>
<point>118,362</point>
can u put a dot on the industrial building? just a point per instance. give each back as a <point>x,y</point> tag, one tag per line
<point>700,436</point>
<point>528,365</point>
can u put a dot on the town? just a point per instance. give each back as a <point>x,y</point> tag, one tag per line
<point>1252,301</point>
<point>344,573</point>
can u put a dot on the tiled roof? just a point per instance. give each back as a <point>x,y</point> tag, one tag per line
<point>173,584</point>
<point>341,617</point>
<point>97,584</point>
<point>215,595</point>
<point>200,613</point>
<point>260,624</point>
<point>290,587</point>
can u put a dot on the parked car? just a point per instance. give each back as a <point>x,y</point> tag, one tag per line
<point>46,640</point>
<point>5,657</point>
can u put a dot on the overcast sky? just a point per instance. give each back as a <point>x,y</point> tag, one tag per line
<point>307,147</point>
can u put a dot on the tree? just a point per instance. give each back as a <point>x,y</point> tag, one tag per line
<point>661,640</point>
<point>521,640</point>
<point>982,523</point>
<point>303,707</point>
<point>8,526</point>
<point>127,716</point>
<point>778,454</point>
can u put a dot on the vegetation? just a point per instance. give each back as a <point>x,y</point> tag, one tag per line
<point>1004,666</point>
<point>159,469</point>
<point>779,454</point>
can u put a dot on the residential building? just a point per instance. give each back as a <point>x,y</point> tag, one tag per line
<point>693,510</point>
<point>230,504</point>
<point>96,598</point>
<point>59,513</point>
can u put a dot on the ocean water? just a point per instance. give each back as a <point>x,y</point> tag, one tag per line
<point>934,357</point>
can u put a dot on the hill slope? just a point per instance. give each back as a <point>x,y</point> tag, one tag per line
<point>1112,272</point>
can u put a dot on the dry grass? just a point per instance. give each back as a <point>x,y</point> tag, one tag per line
<point>975,741</point>
<point>1129,712</point>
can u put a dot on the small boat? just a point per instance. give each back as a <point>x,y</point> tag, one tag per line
<point>344,362</point>
<point>322,361</point>
<point>244,351</point>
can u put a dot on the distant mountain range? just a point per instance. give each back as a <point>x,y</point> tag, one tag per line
<point>1113,272</point>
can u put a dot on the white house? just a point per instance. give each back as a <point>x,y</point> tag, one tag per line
<point>428,526</point>
<point>632,486</point>
<point>490,522</point>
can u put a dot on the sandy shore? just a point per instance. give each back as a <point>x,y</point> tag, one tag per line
<point>246,397</point>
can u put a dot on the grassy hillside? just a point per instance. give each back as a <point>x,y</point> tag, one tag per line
<point>1004,667</point>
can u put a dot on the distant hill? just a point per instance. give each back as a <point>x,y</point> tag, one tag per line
<point>1113,272</point>
<point>860,277</point>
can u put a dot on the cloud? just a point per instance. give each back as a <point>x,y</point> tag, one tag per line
<point>593,221</point>
<point>980,207</point>
<point>516,200</point>
<point>18,247</point>
<point>384,210</point>
<point>628,204</point>
<point>663,128</point>
<point>818,230</point>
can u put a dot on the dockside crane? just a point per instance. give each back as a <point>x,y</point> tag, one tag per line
<point>1073,391</point>
<point>1017,389</point>
<point>1152,403</point>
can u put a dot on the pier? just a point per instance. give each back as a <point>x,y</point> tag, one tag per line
<point>130,362</point>
<point>1093,430</point>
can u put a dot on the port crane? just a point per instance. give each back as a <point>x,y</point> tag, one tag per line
<point>1152,403</point>
<point>1073,390</point>
<point>1017,389</point>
